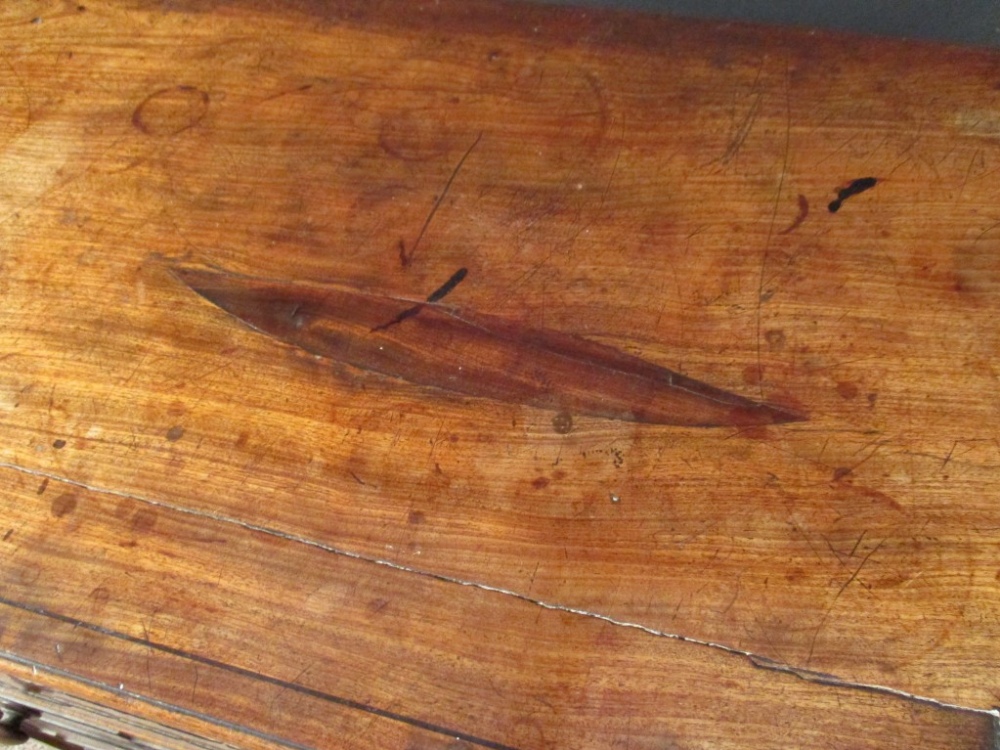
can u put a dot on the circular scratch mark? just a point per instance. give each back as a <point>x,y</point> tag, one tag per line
<point>171,111</point>
<point>409,136</point>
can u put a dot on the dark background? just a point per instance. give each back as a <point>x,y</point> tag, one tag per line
<point>971,22</point>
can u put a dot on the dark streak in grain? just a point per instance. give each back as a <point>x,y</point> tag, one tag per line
<point>477,355</point>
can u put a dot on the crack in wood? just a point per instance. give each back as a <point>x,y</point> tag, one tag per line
<point>757,660</point>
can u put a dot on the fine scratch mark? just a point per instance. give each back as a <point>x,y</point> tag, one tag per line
<point>756,660</point>
<point>770,229</point>
<point>614,169</point>
<point>405,258</point>
<point>744,128</point>
<point>848,582</point>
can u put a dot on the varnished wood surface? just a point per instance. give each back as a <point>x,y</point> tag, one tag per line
<point>202,518</point>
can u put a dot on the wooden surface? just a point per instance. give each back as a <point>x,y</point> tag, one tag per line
<point>201,521</point>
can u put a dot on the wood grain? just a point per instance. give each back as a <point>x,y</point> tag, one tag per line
<point>660,187</point>
<point>291,640</point>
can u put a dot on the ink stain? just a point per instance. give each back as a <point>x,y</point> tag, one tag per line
<point>443,291</point>
<point>416,517</point>
<point>854,188</point>
<point>175,433</point>
<point>59,444</point>
<point>562,423</point>
<point>407,313</point>
<point>840,472</point>
<point>540,483</point>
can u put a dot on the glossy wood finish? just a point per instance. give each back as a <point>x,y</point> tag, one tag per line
<point>225,524</point>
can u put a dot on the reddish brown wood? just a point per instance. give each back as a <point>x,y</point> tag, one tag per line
<point>661,188</point>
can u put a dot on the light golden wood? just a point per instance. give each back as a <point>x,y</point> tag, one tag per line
<point>656,186</point>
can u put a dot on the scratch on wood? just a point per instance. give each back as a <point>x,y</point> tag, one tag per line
<point>770,229</point>
<point>405,258</point>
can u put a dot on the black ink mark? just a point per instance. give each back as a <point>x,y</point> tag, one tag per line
<point>857,186</point>
<point>803,213</point>
<point>407,313</point>
<point>441,293</point>
<point>447,286</point>
<point>407,258</point>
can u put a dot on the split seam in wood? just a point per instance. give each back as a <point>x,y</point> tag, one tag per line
<point>757,660</point>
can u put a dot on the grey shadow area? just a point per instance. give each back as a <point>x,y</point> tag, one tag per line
<point>965,22</point>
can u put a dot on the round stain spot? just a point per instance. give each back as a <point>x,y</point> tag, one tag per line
<point>562,423</point>
<point>144,520</point>
<point>63,504</point>
<point>775,339</point>
<point>847,390</point>
<point>175,433</point>
<point>171,111</point>
<point>59,444</point>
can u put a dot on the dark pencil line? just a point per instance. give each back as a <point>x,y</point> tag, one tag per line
<point>207,661</point>
<point>408,258</point>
